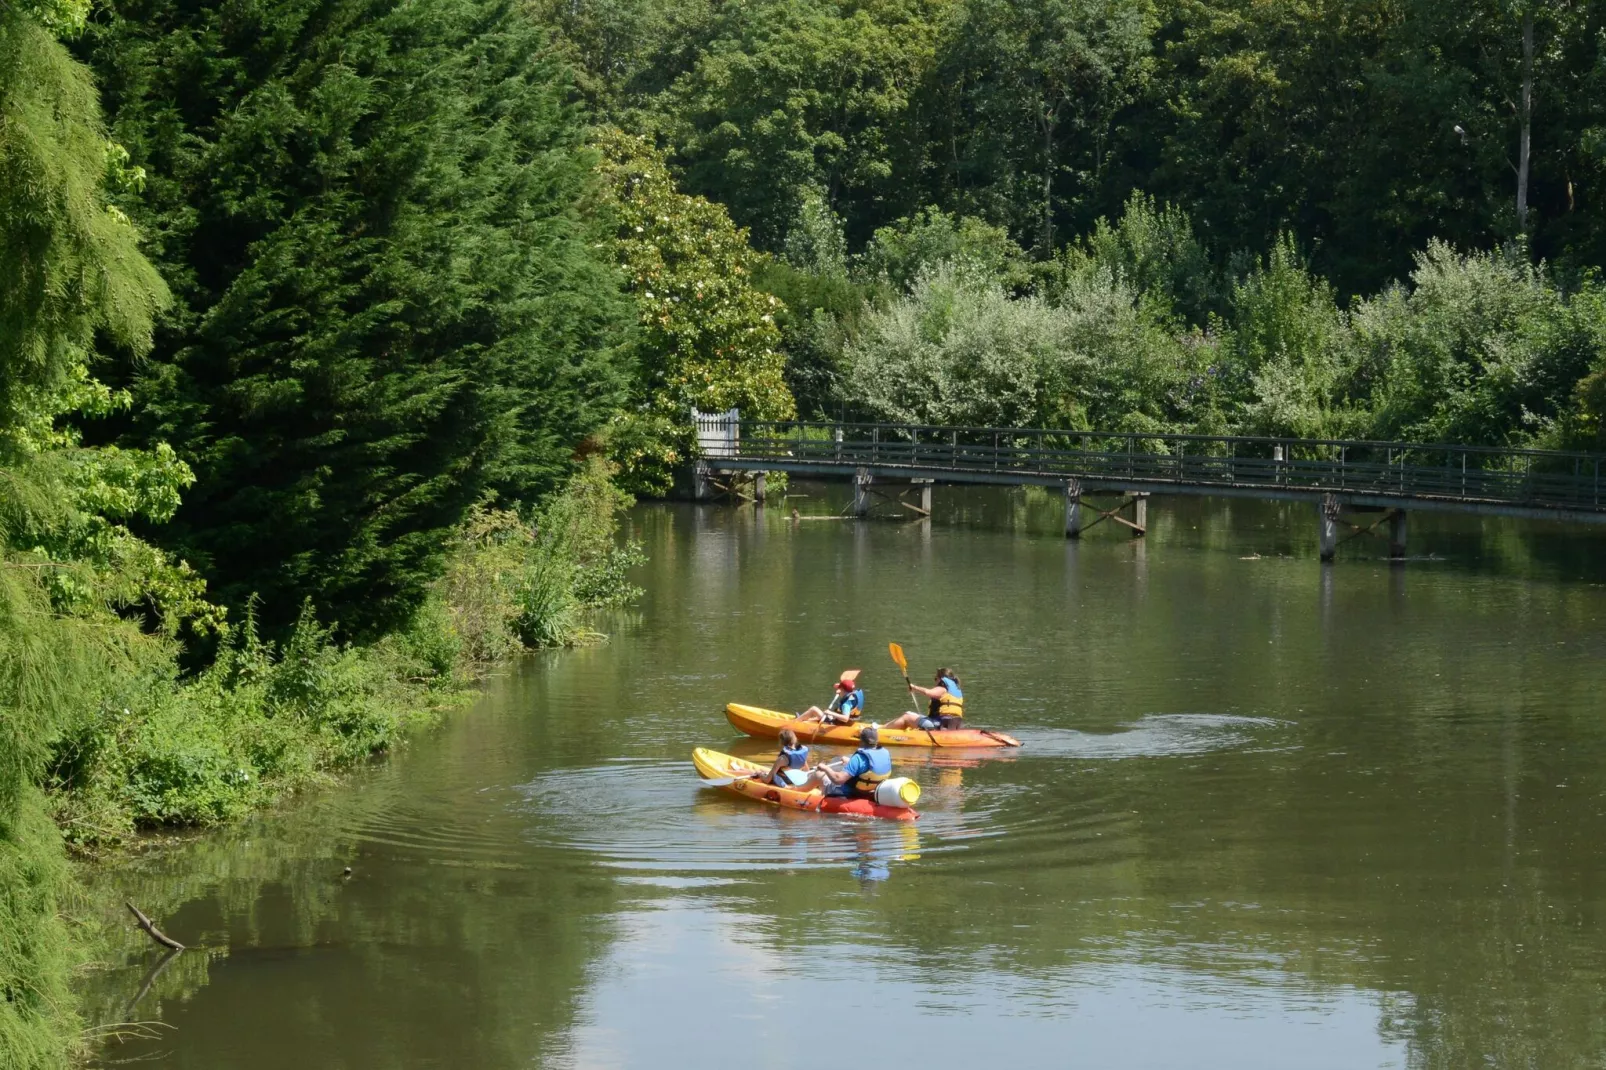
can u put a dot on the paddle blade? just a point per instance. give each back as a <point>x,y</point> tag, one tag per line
<point>897,656</point>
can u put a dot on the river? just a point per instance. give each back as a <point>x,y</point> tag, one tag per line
<point>1268,814</point>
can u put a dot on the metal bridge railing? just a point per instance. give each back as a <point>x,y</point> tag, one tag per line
<point>1473,474</point>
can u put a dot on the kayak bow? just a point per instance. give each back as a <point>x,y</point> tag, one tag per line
<point>716,766</point>
<point>756,721</point>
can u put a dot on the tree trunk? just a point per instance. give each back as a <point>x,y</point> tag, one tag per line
<point>1048,184</point>
<point>1527,117</point>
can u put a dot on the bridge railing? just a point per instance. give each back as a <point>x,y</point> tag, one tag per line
<point>1405,470</point>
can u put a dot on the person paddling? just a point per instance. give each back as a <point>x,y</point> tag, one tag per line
<point>791,768</point>
<point>945,710</point>
<point>865,768</point>
<point>845,706</point>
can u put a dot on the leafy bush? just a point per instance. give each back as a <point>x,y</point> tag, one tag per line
<point>903,251</point>
<point>1483,348</point>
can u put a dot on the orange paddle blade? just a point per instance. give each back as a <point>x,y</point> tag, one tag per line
<point>897,656</point>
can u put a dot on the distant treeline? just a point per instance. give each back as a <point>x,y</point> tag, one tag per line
<point>1300,217</point>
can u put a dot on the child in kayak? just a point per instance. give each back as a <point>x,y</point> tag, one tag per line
<point>846,704</point>
<point>791,765</point>
<point>945,710</point>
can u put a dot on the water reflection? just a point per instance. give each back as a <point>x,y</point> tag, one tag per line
<point>1268,814</point>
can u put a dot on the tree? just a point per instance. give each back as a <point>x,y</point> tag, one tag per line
<point>792,96</point>
<point>1036,87</point>
<point>707,337</point>
<point>73,278</point>
<point>390,304</point>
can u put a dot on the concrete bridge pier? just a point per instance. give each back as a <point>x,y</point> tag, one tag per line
<point>1327,527</point>
<point>1140,515</point>
<point>1397,535</point>
<point>759,481</point>
<point>702,481</point>
<point>861,492</point>
<point>1073,508</point>
<point>925,495</point>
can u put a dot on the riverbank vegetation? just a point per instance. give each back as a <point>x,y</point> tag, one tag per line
<point>327,327</point>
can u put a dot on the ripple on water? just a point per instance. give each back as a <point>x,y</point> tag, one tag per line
<point>1158,735</point>
<point>655,815</point>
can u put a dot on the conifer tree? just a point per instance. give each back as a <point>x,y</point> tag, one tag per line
<point>390,305</point>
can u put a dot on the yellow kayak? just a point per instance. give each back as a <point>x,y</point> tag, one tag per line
<point>756,721</point>
<point>716,766</point>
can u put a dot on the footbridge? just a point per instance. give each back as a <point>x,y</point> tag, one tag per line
<point>1360,486</point>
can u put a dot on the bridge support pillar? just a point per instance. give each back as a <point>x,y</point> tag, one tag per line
<point>1327,526</point>
<point>1073,509</point>
<point>1140,515</point>
<point>1397,535</point>
<point>758,486</point>
<point>925,495</point>
<point>861,492</point>
<point>702,481</point>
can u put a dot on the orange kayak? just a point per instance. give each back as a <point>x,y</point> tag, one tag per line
<point>716,766</point>
<point>761,722</point>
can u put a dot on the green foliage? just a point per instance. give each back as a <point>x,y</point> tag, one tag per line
<point>793,96</point>
<point>1154,249</point>
<point>902,251</point>
<point>390,304</point>
<point>1032,90</point>
<point>707,337</point>
<point>1290,354</point>
<point>1483,348</point>
<point>511,584</point>
<point>72,262</point>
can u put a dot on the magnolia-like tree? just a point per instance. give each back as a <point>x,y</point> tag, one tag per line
<point>707,337</point>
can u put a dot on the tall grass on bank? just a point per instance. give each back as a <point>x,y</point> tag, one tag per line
<point>160,750</point>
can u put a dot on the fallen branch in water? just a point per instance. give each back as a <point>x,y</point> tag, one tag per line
<point>150,927</point>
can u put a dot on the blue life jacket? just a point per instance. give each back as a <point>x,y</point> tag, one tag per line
<point>852,702</point>
<point>796,757</point>
<point>875,765</point>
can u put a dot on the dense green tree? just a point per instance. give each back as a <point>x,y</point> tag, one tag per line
<point>72,279</point>
<point>389,305</point>
<point>792,96</point>
<point>1033,90</point>
<point>707,337</point>
<point>1482,349</point>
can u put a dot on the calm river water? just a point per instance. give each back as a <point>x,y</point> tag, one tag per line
<point>1267,815</point>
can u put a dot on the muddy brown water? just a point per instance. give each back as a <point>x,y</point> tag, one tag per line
<point>1268,814</point>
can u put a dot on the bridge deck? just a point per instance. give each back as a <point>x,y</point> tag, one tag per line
<point>1527,483</point>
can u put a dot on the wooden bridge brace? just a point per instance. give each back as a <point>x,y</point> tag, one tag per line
<point>739,485</point>
<point>864,489</point>
<point>1330,514</point>
<point>1139,503</point>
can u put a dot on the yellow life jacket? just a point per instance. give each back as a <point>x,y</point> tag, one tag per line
<point>950,705</point>
<point>865,783</point>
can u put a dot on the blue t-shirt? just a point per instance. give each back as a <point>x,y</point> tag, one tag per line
<point>868,761</point>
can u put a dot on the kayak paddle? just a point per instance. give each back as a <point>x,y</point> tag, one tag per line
<point>727,781</point>
<point>903,665</point>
